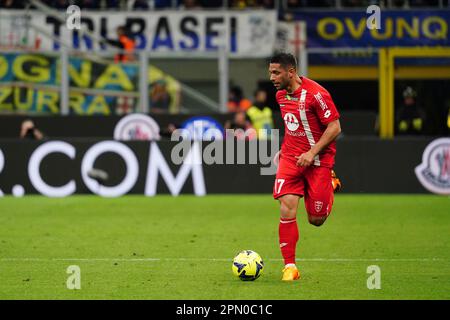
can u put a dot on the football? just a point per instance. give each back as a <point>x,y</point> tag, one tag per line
<point>248,265</point>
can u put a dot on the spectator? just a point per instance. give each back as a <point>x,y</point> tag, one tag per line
<point>190,4</point>
<point>211,3</point>
<point>159,97</point>
<point>266,4</point>
<point>168,131</point>
<point>292,4</point>
<point>89,4</point>
<point>11,4</point>
<point>243,130</point>
<point>112,4</point>
<point>160,4</point>
<point>261,115</point>
<point>398,4</point>
<point>355,3</point>
<point>125,43</point>
<point>236,100</point>
<point>28,130</point>
<point>410,116</point>
<point>139,5</point>
<point>59,4</point>
<point>424,3</point>
<point>243,4</point>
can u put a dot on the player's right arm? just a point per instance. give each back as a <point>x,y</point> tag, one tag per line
<point>330,134</point>
<point>328,115</point>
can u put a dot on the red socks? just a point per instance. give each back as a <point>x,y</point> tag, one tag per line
<point>288,235</point>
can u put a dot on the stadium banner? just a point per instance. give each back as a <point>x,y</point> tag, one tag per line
<point>58,168</point>
<point>352,43</point>
<point>397,28</point>
<point>30,82</point>
<point>250,33</point>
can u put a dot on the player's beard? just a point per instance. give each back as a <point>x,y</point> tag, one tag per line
<point>285,84</point>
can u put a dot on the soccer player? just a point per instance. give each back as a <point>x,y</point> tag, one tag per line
<point>306,158</point>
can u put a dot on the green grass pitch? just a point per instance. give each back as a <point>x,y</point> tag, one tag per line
<point>165,247</point>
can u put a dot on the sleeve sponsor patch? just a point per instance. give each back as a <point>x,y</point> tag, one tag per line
<point>321,101</point>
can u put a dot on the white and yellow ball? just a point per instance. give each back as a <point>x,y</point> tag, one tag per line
<point>248,265</point>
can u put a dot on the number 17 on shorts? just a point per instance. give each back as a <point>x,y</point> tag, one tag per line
<point>278,185</point>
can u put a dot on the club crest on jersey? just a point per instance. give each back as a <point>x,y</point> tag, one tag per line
<point>434,171</point>
<point>291,121</point>
<point>318,205</point>
<point>302,105</point>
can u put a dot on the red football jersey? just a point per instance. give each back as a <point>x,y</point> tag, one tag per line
<point>306,112</point>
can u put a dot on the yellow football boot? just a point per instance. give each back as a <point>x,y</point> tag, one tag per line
<point>335,182</point>
<point>290,274</point>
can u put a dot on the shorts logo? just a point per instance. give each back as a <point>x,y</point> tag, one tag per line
<point>318,205</point>
<point>291,121</point>
<point>434,171</point>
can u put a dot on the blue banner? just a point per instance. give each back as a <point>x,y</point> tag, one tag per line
<point>397,28</point>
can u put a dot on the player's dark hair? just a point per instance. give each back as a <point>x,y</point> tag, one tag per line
<point>286,60</point>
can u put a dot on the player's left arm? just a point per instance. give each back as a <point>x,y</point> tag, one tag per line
<point>328,116</point>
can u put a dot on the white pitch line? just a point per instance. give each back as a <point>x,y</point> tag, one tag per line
<point>223,259</point>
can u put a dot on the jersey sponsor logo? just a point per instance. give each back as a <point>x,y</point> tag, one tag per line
<point>327,114</point>
<point>434,171</point>
<point>318,205</point>
<point>297,134</point>
<point>291,121</point>
<point>319,99</point>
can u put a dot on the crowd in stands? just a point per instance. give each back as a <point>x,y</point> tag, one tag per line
<point>210,4</point>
